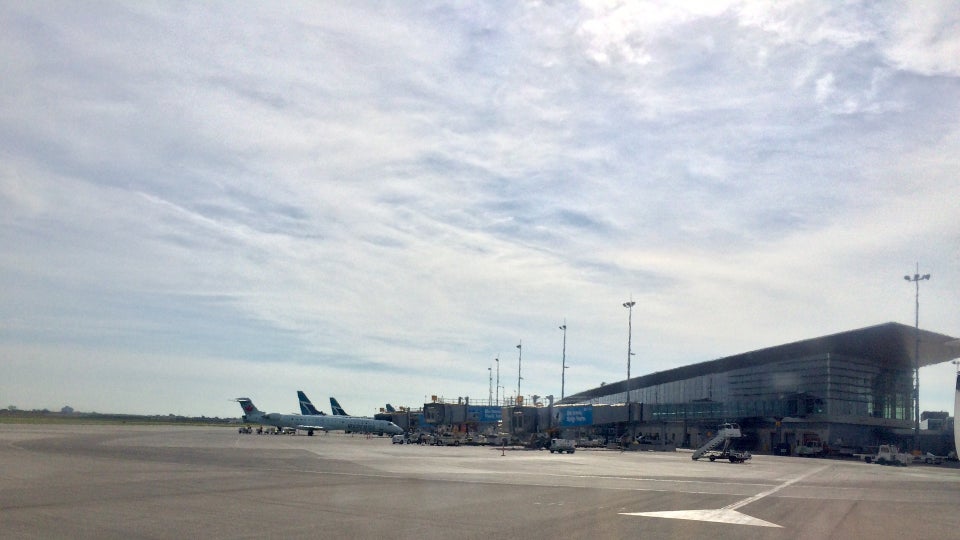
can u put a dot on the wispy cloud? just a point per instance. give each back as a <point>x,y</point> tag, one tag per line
<point>376,201</point>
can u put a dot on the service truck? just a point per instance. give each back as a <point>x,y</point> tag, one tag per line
<point>810,448</point>
<point>888,454</point>
<point>562,445</point>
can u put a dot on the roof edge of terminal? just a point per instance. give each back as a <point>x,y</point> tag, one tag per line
<point>883,342</point>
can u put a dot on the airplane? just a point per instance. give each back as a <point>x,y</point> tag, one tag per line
<point>306,406</point>
<point>336,408</point>
<point>311,423</point>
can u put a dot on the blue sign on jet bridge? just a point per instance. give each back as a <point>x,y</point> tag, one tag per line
<point>483,414</point>
<point>576,416</point>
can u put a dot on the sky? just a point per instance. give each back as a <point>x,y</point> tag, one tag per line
<point>377,200</point>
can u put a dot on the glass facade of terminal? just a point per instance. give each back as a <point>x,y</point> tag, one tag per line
<point>829,385</point>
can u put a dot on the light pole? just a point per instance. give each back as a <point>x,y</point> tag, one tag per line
<point>956,398</point>
<point>519,367</point>
<point>916,279</point>
<point>497,360</point>
<point>563,371</point>
<point>489,385</point>
<point>629,305</point>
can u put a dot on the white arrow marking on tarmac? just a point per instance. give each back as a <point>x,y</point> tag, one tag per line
<point>716,516</point>
<point>727,514</point>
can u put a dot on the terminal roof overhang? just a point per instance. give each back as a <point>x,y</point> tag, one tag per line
<point>891,345</point>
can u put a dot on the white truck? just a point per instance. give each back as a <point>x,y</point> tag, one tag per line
<point>447,439</point>
<point>810,448</point>
<point>562,445</point>
<point>888,454</point>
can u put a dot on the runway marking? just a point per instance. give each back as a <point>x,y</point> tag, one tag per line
<point>729,513</point>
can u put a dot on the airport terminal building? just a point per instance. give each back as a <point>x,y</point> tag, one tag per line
<point>853,389</point>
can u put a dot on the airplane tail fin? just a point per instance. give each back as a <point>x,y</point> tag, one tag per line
<point>249,409</point>
<point>390,408</point>
<point>336,408</point>
<point>306,406</point>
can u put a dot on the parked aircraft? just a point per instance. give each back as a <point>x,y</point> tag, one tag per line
<point>311,423</point>
<point>336,408</point>
<point>306,406</point>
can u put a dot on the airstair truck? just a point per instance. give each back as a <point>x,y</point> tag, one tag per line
<point>719,446</point>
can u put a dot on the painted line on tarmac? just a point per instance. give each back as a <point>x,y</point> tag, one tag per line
<point>494,479</point>
<point>729,513</point>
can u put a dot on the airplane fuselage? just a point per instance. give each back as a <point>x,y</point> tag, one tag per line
<point>312,423</point>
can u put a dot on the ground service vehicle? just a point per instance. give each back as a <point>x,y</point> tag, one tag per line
<point>447,439</point>
<point>810,448</point>
<point>723,440</point>
<point>562,445</point>
<point>888,454</point>
<point>733,456</point>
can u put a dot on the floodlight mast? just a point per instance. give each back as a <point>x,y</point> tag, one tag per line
<point>489,385</point>
<point>519,368</point>
<point>563,362</point>
<point>629,305</point>
<point>497,360</point>
<point>916,279</point>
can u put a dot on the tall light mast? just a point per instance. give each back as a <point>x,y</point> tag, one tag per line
<point>497,360</point>
<point>629,305</point>
<point>563,363</point>
<point>489,385</point>
<point>916,279</point>
<point>519,367</point>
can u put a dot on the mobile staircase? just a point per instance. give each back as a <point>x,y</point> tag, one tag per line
<point>725,435</point>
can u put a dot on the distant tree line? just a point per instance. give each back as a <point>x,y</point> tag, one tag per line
<point>67,414</point>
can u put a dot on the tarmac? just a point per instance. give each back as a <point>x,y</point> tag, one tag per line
<point>78,481</point>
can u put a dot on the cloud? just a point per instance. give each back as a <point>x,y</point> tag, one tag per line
<point>925,38</point>
<point>326,194</point>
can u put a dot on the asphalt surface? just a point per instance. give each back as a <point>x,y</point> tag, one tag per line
<point>71,481</point>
